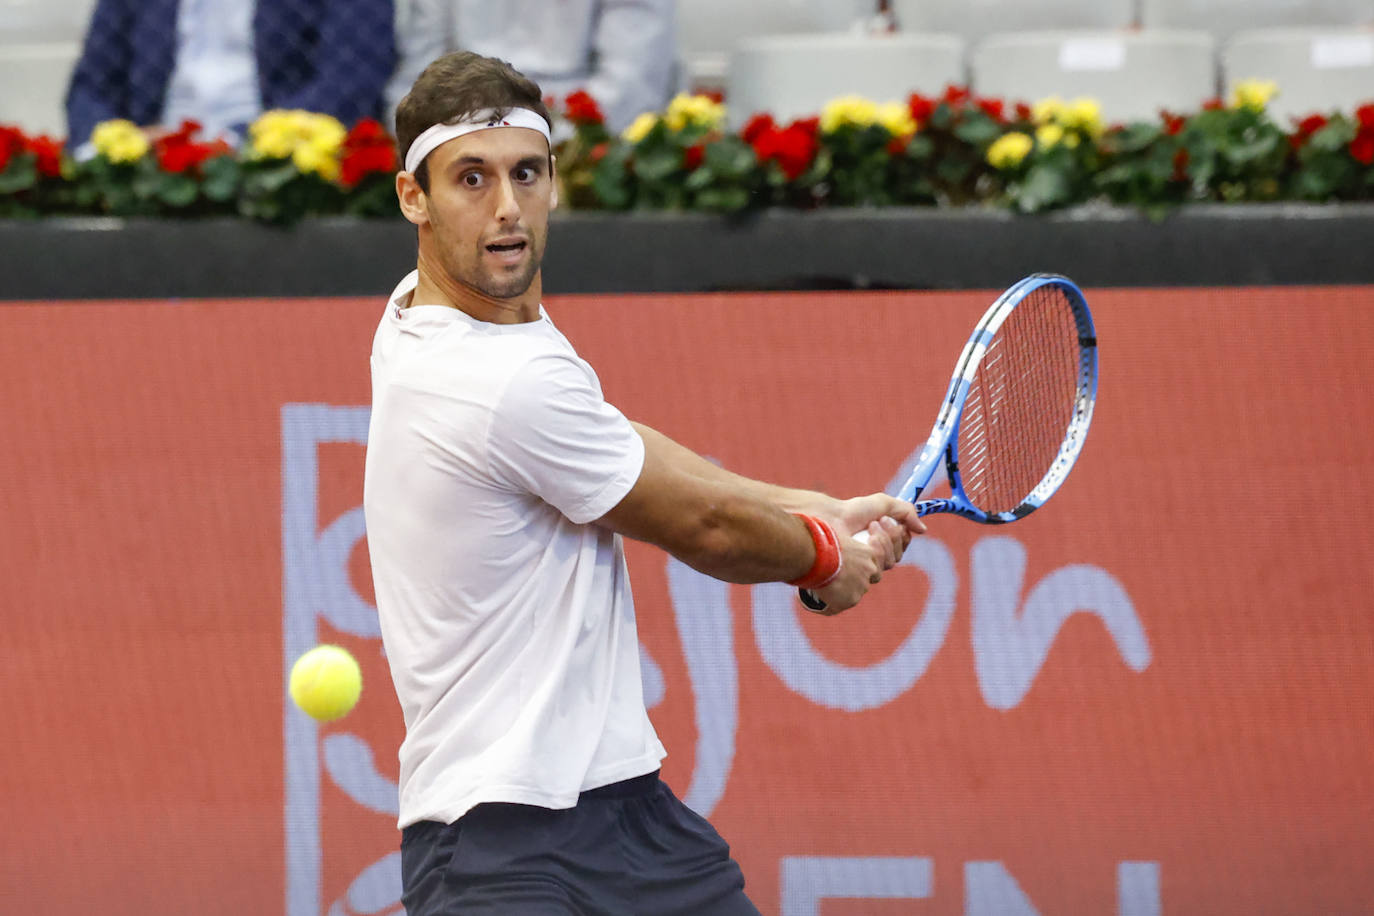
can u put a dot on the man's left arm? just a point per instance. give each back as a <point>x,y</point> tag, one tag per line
<point>850,514</point>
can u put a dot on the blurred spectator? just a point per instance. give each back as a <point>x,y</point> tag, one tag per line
<point>223,62</point>
<point>622,52</point>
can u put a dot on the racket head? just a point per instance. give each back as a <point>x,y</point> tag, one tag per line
<point>1019,405</point>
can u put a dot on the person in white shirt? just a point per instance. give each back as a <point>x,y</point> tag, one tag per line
<point>621,52</point>
<point>498,486</point>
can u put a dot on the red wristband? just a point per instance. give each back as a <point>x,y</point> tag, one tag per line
<point>829,561</point>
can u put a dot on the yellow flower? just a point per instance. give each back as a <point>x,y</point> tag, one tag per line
<point>119,140</point>
<point>640,127</point>
<point>1083,114</point>
<point>694,111</point>
<point>1008,150</point>
<point>896,117</point>
<point>315,157</point>
<point>848,111</point>
<point>1048,136</point>
<point>1048,110</point>
<point>1253,95</point>
<point>311,141</point>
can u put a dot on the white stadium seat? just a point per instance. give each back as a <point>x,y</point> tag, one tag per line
<point>1317,70</point>
<point>974,19</point>
<point>34,77</point>
<point>709,30</point>
<point>35,21</point>
<point>793,76</point>
<point>1224,18</point>
<point>1131,74</point>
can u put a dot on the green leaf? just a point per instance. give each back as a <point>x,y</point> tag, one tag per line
<point>730,157</point>
<point>178,191</point>
<point>21,175</point>
<point>1045,186</point>
<point>700,179</point>
<point>978,130</point>
<point>272,177</point>
<point>655,165</point>
<point>724,200</point>
<point>221,178</point>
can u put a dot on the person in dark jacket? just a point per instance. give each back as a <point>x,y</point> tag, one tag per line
<point>223,62</point>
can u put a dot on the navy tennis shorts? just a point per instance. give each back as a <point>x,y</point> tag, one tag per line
<point>627,849</point>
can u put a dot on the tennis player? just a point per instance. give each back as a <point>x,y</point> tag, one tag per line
<point>499,483</point>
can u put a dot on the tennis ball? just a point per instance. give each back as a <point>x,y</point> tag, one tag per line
<point>326,682</point>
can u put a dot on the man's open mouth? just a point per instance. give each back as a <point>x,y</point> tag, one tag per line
<point>501,248</point>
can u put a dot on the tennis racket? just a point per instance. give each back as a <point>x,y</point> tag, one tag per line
<point>1017,411</point>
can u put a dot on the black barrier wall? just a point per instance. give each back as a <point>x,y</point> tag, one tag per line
<point>1202,245</point>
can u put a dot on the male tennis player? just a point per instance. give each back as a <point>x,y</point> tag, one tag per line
<point>498,485</point>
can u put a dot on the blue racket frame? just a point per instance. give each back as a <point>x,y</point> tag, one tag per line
<point>944,438</point>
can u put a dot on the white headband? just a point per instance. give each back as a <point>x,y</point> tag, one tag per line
<point>431,139</point>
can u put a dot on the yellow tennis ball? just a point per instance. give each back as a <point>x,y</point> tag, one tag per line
<point>326,683</point>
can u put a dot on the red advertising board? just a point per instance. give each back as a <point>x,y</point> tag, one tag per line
<point>1153,696</point>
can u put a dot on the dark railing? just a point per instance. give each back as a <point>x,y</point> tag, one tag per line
<point>1203,245</point>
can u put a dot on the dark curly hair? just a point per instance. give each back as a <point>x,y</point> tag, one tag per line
<point>456,85</point>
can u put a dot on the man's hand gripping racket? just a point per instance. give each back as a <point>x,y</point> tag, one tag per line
<point>1017,410</point>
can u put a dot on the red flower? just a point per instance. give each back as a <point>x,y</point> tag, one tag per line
<point>792,148</point>
<point>896,146</point>
<point>582,109</point>
<point>1305,129</point>
<point>368,131</point>
<point>1173,124</point>
<point>1181,164</point>
<point>48,155</point>
<point>598,152</point>
<point>1024,112</point>
<point>692,156</point>
<point>993,108</point>
<point>1362,147</point>
<point>367,150</point>
<point>368,160</point>
<point>921,108</point>
<point>1214,104</point>
<point>757,125</point>
<point>1365,115</point>
<point>11,144</point>
<point>1311,124</point>
<point>178,153</point>
<point>956,96</point>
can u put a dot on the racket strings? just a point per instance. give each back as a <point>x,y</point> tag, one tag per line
<point>1020,403</point>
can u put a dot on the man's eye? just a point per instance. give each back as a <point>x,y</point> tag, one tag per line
<point>525,175</point>
<point>472,179</point>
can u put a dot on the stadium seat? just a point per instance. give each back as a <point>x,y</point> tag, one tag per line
<point>709,30</point>
<point>34,77</point>
<point>975,19</point>
<point>42,21</point>
<point>1224,18</point>
<point>1317,70</point>
<point>1131,74</point>
<point>793,76</point>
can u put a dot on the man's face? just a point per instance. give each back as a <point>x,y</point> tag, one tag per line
<point>489,198</point>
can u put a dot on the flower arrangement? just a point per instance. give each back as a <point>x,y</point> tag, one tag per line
<point>952,149</point>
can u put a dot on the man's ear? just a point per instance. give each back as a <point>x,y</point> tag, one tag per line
<point>413,200</point>
<point>553,176</point>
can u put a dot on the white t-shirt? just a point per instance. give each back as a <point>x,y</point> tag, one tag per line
<point>506,617</point>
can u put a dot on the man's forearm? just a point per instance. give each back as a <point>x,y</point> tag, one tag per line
<point>788,498</point>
